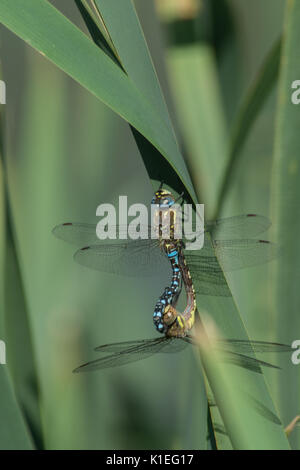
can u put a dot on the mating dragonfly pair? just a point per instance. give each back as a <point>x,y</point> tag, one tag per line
<point>228,245</point>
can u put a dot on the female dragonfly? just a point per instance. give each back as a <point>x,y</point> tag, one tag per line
<point>146,255</point>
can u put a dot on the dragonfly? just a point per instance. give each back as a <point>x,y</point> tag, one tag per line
<point>229,245</point>
<point>237,352</point>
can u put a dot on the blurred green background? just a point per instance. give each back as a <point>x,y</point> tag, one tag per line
<point>66,154</point>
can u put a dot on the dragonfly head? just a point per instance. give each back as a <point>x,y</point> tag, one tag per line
<point>163,198</point>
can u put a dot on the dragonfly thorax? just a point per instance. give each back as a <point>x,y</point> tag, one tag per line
<point>166,220</point>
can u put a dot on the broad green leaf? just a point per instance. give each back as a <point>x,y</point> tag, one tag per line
<point>16,323</point>
<point>263,433</point>
<point>123,26</point>
<point>193,431</point>
<point>53,35</point>
<point>96,31</point>
<point>242,397</point>
<point>158,168</point>
<point>217,428</point>
<point>122,23</point>
<point>14,433</point>
<point>22,363</point>
<point>285,208</point>
<point>250,108</point>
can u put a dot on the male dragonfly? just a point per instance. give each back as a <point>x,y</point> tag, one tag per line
<point>229,245</point>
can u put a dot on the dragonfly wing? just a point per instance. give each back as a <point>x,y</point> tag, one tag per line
<point>247,362</point>
<point>244,346</point>
<point>113,360</point>
<point>236,227</point>
<point>80,234</point>
<point>233,350</point>
<point>190,340</point>
<point>142,350</point>
<point>240,226</point>
<point>124,345</point>
<point>209,282</point>
<point>133,258</point>
<point>174,345</point>
<point>238,254</point>
<point>76,233</point>
<point>230,255</point>
<point>247,346</point>
<point>262,409</point>
<point>207,275</point>
<point>170,345</point>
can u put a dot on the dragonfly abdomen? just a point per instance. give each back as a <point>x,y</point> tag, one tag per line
<point>188,316</point>
<point>163,316</point>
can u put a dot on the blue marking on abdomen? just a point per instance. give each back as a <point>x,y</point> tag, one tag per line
<point>173,254</point>
<point>170,293</point>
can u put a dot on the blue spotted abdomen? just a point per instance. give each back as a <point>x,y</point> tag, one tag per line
<point>170,294</point>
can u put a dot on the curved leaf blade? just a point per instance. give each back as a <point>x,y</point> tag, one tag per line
<point>14,434</point>
<point>47,30</point>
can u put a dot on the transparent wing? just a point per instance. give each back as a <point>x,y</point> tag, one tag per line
<point>143,257</point>
<point>209,282</point>
<point>124,257</point>
<point>81,235</point>
<point>245,346</point>
<point>170,345</point>
<point>235,352</point>
<point>231,255</point>
<point>241,347</point>
<point>208,264</point>
<point>240,226</point>
<point>76,233</point>
<point>132,351</point>
<point>238,254</point>
<point>247,362</point>
<point>132,258</point>
<point>124,345</point>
